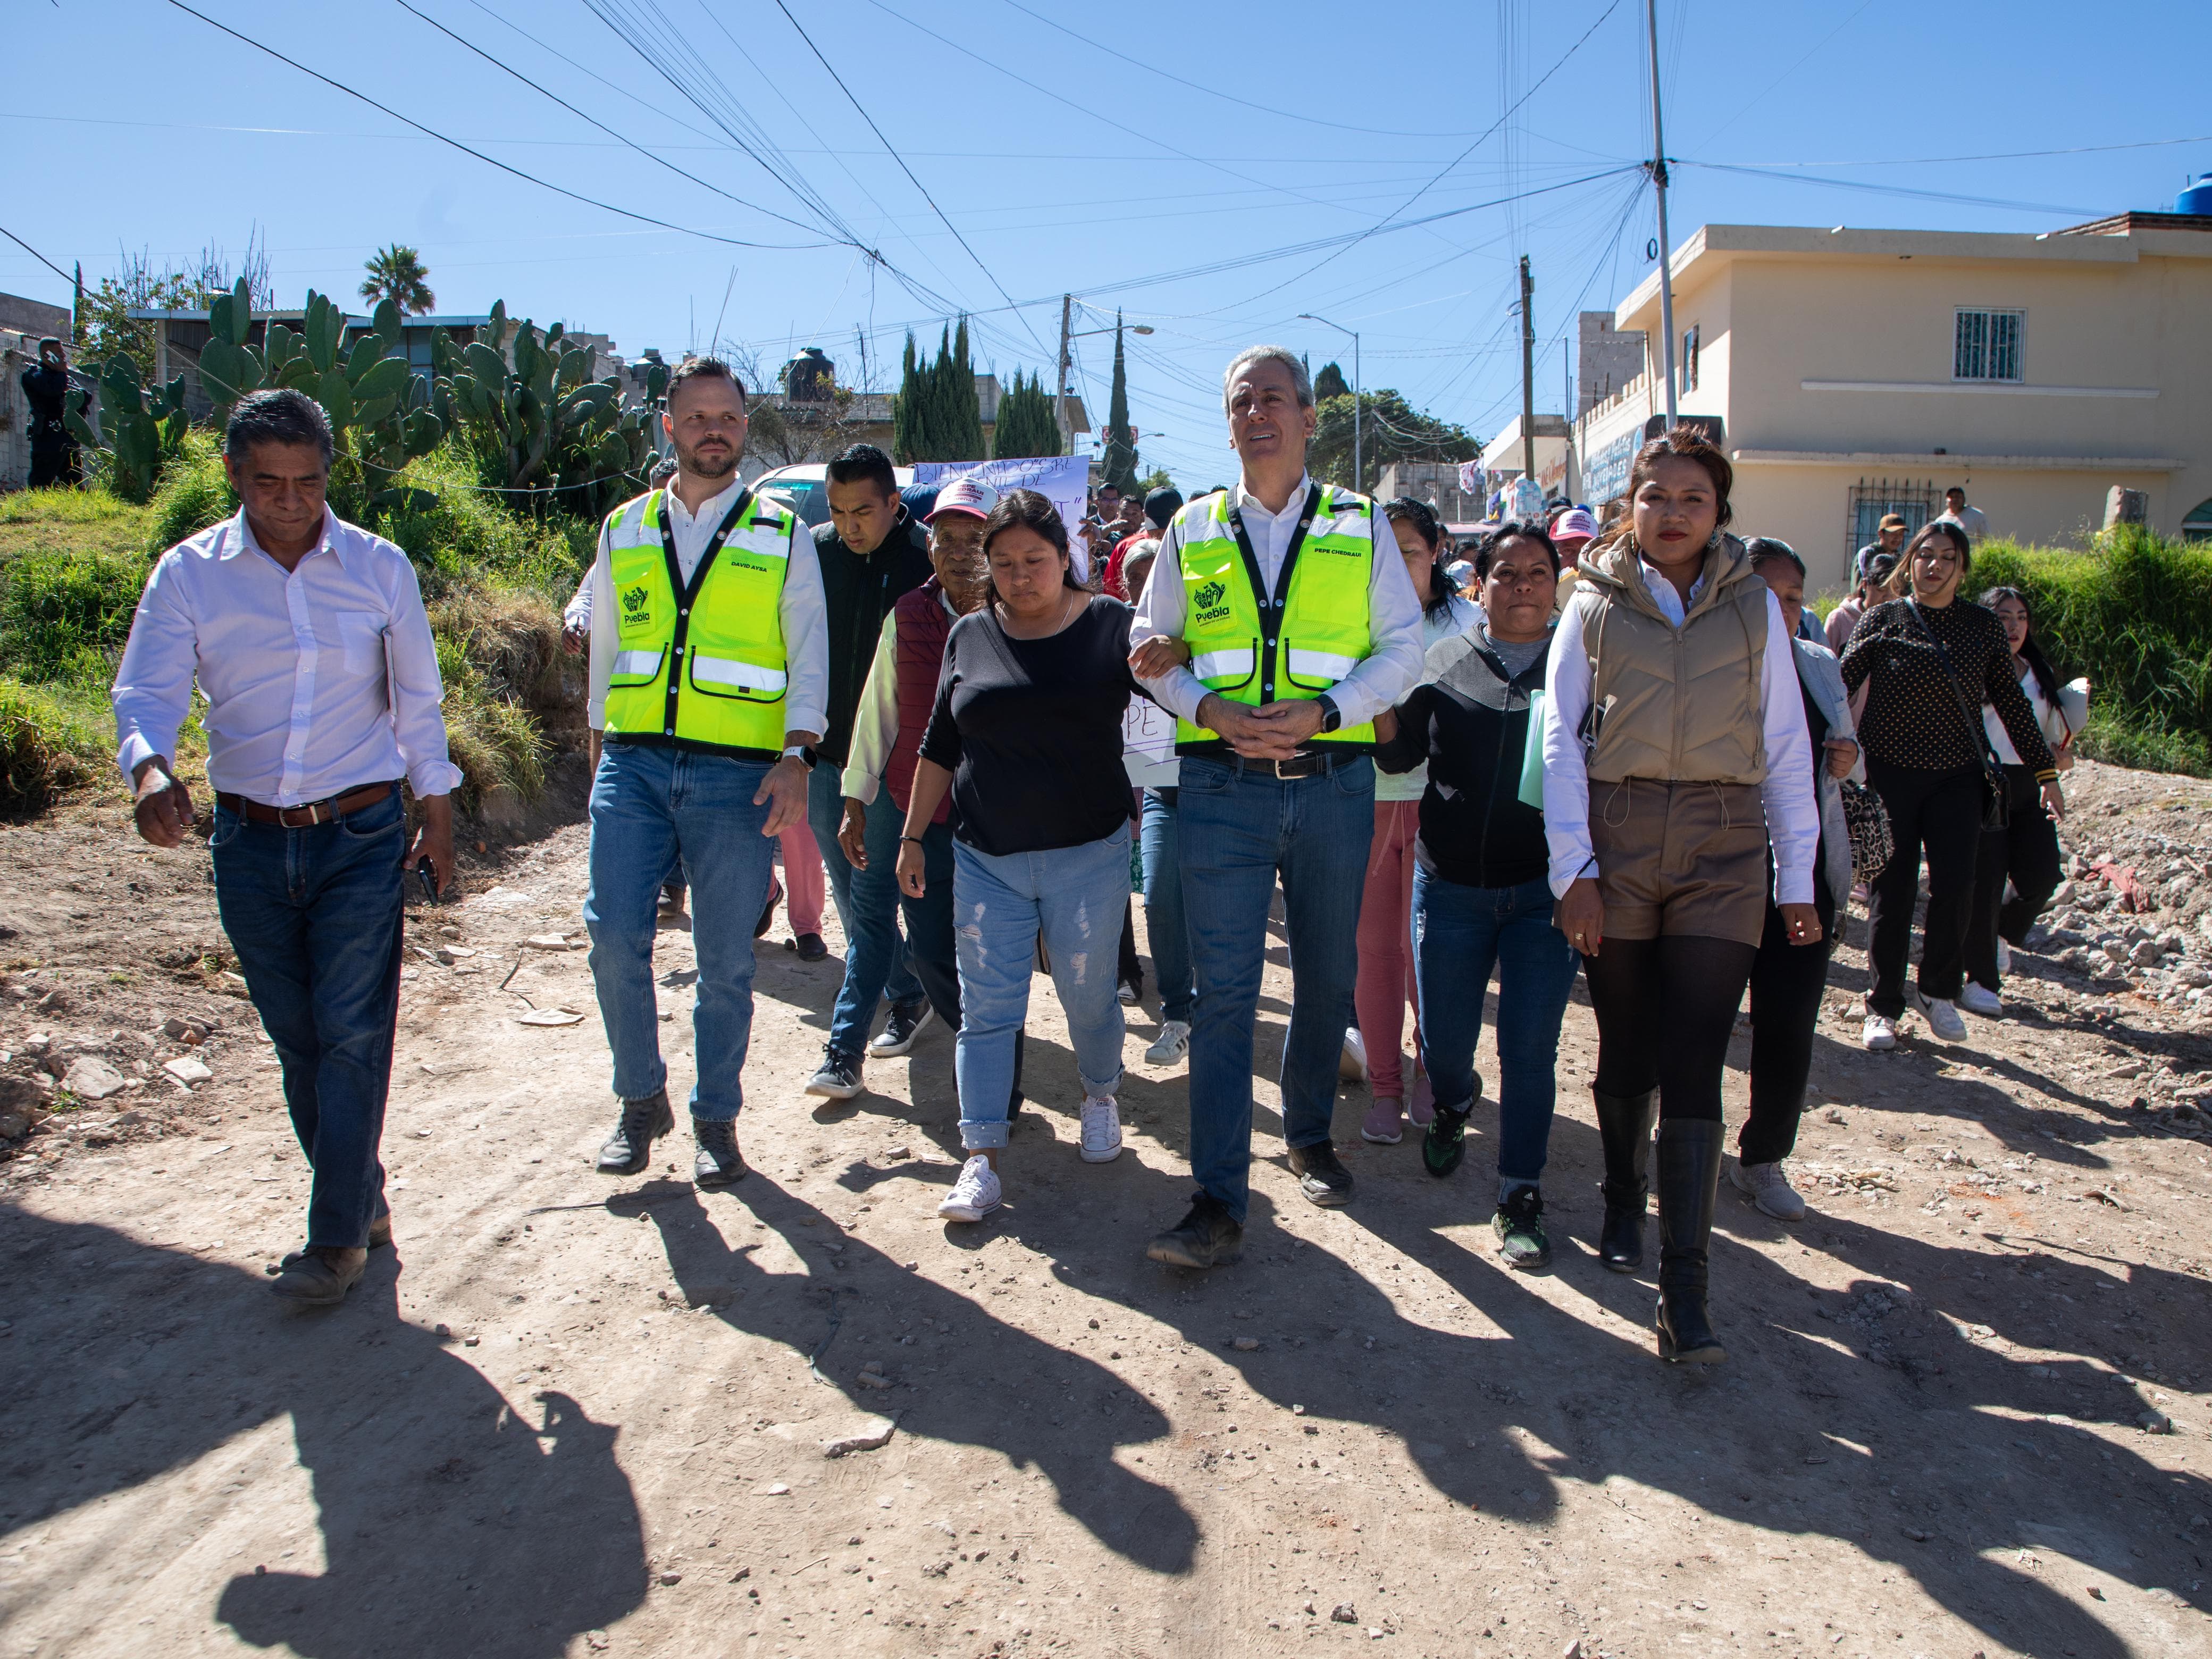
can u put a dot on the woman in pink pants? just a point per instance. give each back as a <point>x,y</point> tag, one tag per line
<point>1385,988</point>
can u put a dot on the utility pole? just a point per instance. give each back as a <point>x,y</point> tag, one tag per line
<point>1658,170</point>
<point>1060,378</point>
<point>1527,374</point>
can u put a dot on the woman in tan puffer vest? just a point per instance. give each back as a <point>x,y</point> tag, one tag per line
<point>1671,684</point>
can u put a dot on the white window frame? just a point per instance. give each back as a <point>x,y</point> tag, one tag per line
<point>1989,323</point>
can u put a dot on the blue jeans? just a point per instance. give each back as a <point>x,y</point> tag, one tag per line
<point>1459,934</point>
<point>1164,923</point>
<point>315,917</point>
<point>1073,897</point>
<point>867,909</point>
<point>1240,829</point>
<point>653,808</point>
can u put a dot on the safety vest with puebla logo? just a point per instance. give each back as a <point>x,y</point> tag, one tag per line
<point>1253,647</point>
<point>699,665</point>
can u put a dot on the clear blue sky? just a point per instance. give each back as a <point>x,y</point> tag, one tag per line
<point>1064,166</point>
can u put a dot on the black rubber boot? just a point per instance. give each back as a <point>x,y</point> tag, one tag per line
<point>1689,1174</point>
<point>1624,1123</point>
<point>629,1148</point>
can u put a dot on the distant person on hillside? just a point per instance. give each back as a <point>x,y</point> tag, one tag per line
<point>307,637</point>
<point>1974,521</point>
<point>46,388</point>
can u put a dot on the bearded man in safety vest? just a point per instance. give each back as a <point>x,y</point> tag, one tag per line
<point>1278,622</point>
<point>709,664</point>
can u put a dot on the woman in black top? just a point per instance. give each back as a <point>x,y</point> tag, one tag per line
<point>1027,735</point>
<point>1480,894</point>
<point>1929,661</point>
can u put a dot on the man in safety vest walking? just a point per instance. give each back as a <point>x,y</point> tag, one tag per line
<point>708,664</point>
<point>1290,603</point>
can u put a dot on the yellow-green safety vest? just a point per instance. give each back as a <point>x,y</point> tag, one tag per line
<point>1252,647</point>
<point>700,667</point>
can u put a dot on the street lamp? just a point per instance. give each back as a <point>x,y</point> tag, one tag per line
<point>1060,382</point>
<point>1359,472</point>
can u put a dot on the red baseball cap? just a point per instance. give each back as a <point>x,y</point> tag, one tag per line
<point>970,496</point>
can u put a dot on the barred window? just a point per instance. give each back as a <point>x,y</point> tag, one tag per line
<point>1987,346</point>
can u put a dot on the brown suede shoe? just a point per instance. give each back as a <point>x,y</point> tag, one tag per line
<point>320,1276</point>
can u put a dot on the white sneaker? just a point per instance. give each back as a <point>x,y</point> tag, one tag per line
<point>1980,1000</point>
<point>1125,994</point>
<point>1101,1130</point>
<point>2004,958</point>
<point>1879,1033</point>
<point>1942,1017</point>
<point>1172,1046</point>
<point>1351,1064</point>
<point>1767,1186</point>
<point>974,1194</point>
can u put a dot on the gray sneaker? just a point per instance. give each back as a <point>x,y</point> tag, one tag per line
<point>1767,1186</point>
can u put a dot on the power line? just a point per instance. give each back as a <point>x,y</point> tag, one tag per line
<point>1504,115</point>
<point>2002,156</point>
<point>407,5</point>
<point>1155,71</point>
<point>39,257</point>
<point>892,151</point>
<point>527,178</point>
<point>1892,190</point>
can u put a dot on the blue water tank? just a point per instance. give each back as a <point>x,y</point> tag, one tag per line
<point>2197,198</point>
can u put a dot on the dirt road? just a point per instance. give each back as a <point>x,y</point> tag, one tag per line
<point>567,1415</point>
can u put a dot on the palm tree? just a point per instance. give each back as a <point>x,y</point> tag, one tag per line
<point>397,273</point>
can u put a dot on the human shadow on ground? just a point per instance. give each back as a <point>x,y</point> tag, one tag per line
<point>456,1522</point>
<point>862,1302</point>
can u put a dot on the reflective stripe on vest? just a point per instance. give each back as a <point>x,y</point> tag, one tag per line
<point>1247,647</point>
<point>704,666</point>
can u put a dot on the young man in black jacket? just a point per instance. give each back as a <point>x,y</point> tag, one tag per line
<point>872,552</point>
<point>1480,893</point>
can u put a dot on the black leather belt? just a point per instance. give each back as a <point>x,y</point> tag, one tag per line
<point>1313,764</point>
<point>326,810</point>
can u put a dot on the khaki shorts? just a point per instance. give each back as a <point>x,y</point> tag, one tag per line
<point>1680,858</point>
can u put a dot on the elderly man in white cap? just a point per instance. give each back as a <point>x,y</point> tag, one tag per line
<point>894,712</point>
<point>1571,531</point>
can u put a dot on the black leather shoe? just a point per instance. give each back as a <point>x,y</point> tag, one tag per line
<point>629,1148</point>
<point>1689,1176</point>
<point>1206,1238</point>
<point>1321,1175</point>
<point>719,1163</point>
<point>1624,1123</point>
<point>812,947</point>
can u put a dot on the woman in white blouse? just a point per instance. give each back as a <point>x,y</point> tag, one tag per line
<point>2024,853</point>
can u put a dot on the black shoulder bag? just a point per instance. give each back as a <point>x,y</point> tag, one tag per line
<point>1996,798</point>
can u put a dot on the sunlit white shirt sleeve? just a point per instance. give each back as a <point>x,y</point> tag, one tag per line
<point>806,615</point>
<point>1566,783</point>
<point>1793,810</point>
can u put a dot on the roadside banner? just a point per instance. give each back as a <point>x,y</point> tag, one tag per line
<point>1065,480</point>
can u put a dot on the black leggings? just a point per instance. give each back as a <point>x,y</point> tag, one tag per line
<point>2025,852</point>
<point>1665,1008</point>
<point>1939,813</point>
<point>1786,983</point>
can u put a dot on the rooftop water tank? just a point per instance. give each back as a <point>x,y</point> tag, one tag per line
<point>2197,198</point>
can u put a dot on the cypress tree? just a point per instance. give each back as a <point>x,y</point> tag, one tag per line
<point>907,409</point>
<point>959,431</point>
<point>1026,425</point>
<point>1121,460</point>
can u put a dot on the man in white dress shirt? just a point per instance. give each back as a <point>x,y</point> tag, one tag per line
<point>307,637</point>
<point>1278,621</point>
<point>709,670</point>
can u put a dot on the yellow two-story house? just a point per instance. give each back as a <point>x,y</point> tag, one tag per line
<point>1849,374</point>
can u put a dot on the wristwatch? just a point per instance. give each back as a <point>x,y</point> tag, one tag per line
<point>1332,717</point>
<point>798,752</point>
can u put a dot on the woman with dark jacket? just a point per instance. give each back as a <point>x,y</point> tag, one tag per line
<point>1670,697</point>
<point>1787,979</point>
<point>1479,896</point>
<point>2024,853</point>
<point>1929,661</point>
